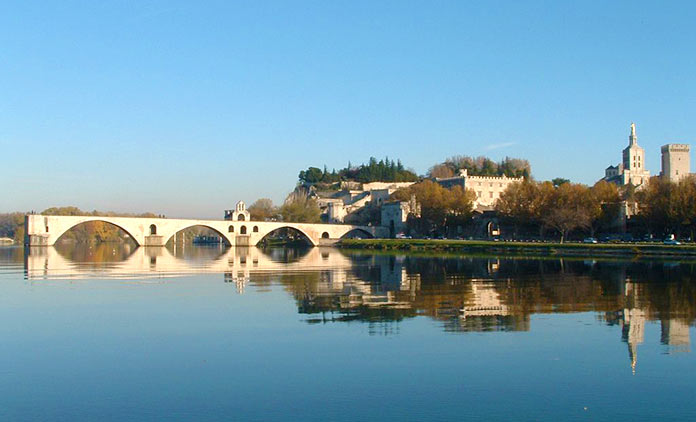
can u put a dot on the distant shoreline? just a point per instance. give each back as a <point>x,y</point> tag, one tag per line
<point>526,248</point>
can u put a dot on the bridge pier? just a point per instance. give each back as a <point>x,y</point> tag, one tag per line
<point>154,240</point>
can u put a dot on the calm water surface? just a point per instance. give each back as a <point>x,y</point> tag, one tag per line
<point>114,333</point>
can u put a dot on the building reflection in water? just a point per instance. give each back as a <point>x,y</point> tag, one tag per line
<point>466,294</point>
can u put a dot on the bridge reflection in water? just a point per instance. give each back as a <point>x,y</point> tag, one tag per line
<point>465,294</point>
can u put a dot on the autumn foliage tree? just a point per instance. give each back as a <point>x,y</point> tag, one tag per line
<point>669,207</point>
<point>440,207</point>
<point>300,209</point>
<point>563,207</point>
<point>263,209</point>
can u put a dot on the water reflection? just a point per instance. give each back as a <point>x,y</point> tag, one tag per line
<point>464,294</point>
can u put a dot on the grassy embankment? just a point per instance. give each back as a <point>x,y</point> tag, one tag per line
<point>525,248</point>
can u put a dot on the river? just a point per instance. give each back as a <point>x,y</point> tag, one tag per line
<point>111,332</point>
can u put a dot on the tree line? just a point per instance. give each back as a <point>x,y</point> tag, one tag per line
<point>564,208</point>
<point>384,170</point>
<point>481,166</point>
<point>667,207</point>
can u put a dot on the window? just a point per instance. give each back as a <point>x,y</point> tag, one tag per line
<point>255,229</point>
<point>325,235</point>
<point>242,230</point>
<point>240,217</point>
<point>230,229</point>
<point>153,229</point>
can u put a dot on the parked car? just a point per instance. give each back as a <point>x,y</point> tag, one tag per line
<point>589,240</point>
<point>671,240</point>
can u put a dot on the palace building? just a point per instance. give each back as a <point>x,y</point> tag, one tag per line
<point>487,188</point>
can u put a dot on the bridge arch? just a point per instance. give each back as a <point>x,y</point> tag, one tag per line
<point>222,235</point>
<point>58,235</point>
<point>307,238</point>
<point>357,231</point>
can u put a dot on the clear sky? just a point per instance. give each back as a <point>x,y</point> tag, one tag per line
<point>183,108</point>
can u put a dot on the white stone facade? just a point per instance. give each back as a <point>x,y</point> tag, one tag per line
<point>487,188</point>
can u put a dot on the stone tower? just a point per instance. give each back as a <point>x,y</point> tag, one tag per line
<point>634,161</point>
<point>676,162</point>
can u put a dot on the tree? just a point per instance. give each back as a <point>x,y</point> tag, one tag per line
<point>262,209</point>
<point>440,207</point>
<point>669,207</point>
<point>558,181</point>
<point>568,209</point>
<point>311,175</point>
<point>603,207</point>
<point>441,171</point>
<point>300,209</point>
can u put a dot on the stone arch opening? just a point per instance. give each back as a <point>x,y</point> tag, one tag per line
<point>243,229</point>
<point>153,229</point>
<point>240,217</point>
<point>230,229</point>
<point>199,235</point>
<point>286,235</point>
<point>96,231</point>
<point>325,235</point>
<point>357,234</point>
<point>255,229</point>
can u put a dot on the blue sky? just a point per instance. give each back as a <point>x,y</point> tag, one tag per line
<point>183,108</point>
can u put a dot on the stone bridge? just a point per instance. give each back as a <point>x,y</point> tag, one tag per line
<point>45,230</point>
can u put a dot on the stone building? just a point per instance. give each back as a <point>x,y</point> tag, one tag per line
<point>487,188</point>
<point>632,168</point>
<point>676,162</point>
<point>357,201</point>
<point>394,215</point>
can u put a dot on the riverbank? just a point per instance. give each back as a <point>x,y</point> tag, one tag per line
<point>525,248</point>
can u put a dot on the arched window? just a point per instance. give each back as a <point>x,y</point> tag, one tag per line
<point>153,229</point>
<point>231,229</point>
<point>256,229</point>
<point>325,235</point>
<point>242,230</point>
<point>240,217</point>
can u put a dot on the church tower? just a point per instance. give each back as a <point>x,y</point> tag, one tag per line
<point>634,161</point>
